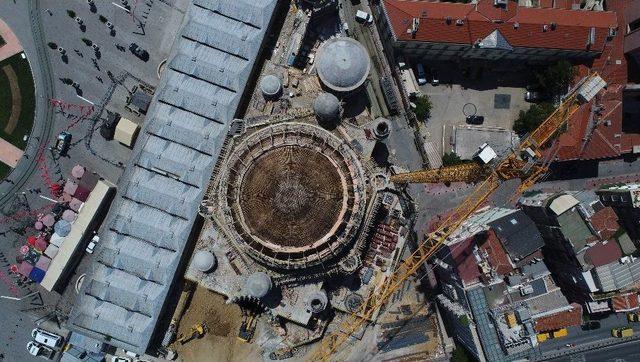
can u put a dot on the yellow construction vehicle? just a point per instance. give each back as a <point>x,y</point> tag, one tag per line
<point>247,328</point>
<point>525,163</point>
<point>197,331</point>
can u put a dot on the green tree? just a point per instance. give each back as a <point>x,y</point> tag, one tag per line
<point>87,41</point>
<point>71,13</point>
<point>423,107</point>
<point>461,355</point>
<point>52,45</point>
<point>530,119</point>
<point>555,79</point>
<point>102,18</point>
<point>464,320</point>
<point>451,159</point>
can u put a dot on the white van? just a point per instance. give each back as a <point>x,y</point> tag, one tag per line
<point>364,17</point>
<point>46,338</point>
<point>422,75</point>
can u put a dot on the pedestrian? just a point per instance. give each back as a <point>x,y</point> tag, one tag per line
<point>99,78</point>
<point>49,12</point>
<point>10,181</point>
<point>37,138</point>
<point>26,156</point>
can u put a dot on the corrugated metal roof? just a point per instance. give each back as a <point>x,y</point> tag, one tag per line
<point>152,217</point>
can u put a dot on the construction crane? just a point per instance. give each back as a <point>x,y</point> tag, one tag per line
<point>525,163</point>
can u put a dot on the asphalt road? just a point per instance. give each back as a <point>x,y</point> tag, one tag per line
<point>626,352</point>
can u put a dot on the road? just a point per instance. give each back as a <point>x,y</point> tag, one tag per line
<point>626,352</point>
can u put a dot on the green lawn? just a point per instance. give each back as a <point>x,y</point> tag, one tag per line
<point>25,81</point>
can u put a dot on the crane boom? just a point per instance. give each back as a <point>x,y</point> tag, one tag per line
<point>527,168</point>
<point>466,172</point>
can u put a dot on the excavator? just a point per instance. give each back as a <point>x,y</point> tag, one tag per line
<point>247,328</point>
<point>527,162</point>
<point>197,331</point>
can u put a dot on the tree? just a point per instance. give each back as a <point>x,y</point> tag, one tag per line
<point>451,159</point>
<point>464,320</point>
<point>530,119</point>
<point>87,41</point>
<point>423,107</point>
<point>102,18</point>
<point>52,45</point>
<point>71,13</point>
<point>555,80</point>
<point>67,81</point>
<point>461,355</point>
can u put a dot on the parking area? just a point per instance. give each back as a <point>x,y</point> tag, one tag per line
<point>496,96</point>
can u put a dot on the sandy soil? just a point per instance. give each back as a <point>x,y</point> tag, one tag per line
<point>220,343</point>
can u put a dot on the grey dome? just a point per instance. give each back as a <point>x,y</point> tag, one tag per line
<point>343,64</point>
<point>258,285</point>
<point>327,107</point>
<point>204,261</point>
<point>270,85</point>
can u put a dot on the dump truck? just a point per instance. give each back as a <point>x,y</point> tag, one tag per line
<point>623,332</point>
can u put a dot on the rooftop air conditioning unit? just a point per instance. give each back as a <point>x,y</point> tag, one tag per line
<point>612,32</point>
<point>516,25</point>
<point>459,22</point>
<point>500,3</point>
<point>545,27</point>
<point>448,20</point>
<point>607,123</point>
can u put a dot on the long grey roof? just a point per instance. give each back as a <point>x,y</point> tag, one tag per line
<point>145,232</point>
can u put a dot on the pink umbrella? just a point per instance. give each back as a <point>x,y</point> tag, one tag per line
<point>38,225</point>
<point>48,220</point>
<point>25,269</point>
<point>24,249</point>
<point>75,204</point>
<point>70,187</point>
<point>77,171</point>
<point>69,215</point>
<point>41,244</point>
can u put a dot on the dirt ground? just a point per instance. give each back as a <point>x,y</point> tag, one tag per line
<point>220,343</point>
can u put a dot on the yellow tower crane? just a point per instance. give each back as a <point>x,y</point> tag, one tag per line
<point>524,163</point>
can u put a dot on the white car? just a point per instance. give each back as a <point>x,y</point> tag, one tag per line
<point>364,17</point>
<point>121,359</point>
<point>92,244</point>
<point>38,350</point>
<point>46,338</point>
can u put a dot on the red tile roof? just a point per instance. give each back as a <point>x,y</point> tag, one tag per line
<point>568,318</point>
<point>467,264</point>
<point>603,253</point>
<point>479,20</point>
<point>625,302</point>
<point>605,223</point>
<point>603,139</point>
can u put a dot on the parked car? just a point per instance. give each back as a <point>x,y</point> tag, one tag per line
<point>622,332</point>
<point>121,359</point>
<point>475,119</point>
<point>435,80</point>
<point>38,350</point>
<point>63,142</point>
<point>422,75</point>
<point>139,52</point>
<point>590,325</point>
<point>92,244</point>
<point>633,317</point>
<point>532,96</point>
<point>46,338</point>
<point>364,17</point>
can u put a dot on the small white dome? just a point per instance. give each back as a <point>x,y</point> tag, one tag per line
<point>204,261</point>
<point>258,284</point>
<point>270,85</point>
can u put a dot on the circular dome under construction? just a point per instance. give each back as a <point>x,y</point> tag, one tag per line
<point>343,64</point>
<point>294,195</point>
<point>270,86</point>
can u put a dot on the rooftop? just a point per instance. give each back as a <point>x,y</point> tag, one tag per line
<point>586,139</point>
<point>465,256</point>
<point>518,26</point>
<point>605,223</point>
<point>518,233</point>
<point>152,216</point>
<point>603,253</point>
<point>567,318</point>
<point>617,275</point>
<point>343,64</point>
<point>625,302</point>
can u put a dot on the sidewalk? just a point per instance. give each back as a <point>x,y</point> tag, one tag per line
<point>9,154</point>
<point>12,45</point>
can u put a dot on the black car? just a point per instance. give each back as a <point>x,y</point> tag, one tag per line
<point>590,325</point>
<point>475,119</point>
<point>139,52</point>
